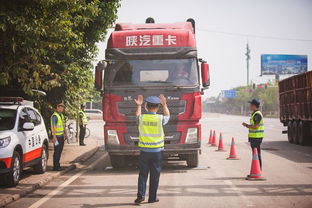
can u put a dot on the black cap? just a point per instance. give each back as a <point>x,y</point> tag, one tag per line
<point>82,105</point>
<point>254,102</point>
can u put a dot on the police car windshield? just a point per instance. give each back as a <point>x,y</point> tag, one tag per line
<point>7,119</point>
<point>165,72</point>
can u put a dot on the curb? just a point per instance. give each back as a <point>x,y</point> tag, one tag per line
<point>9,199</point>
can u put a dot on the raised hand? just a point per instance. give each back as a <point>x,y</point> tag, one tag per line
<point>163,99</point>
<point>139,100</point>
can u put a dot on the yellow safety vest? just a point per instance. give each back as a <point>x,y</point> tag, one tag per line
<point>84,119</point>
<point>60,125</point>
<point>151,132</point>
<point>259,132</point>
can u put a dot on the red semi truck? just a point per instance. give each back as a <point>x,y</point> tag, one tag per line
<point>296,107</point>
<point>152,59</point>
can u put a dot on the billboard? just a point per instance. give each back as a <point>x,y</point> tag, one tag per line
<point>283,64</point>
<point>228,93</point>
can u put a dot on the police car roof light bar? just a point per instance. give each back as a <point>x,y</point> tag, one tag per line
<point>11,100</point>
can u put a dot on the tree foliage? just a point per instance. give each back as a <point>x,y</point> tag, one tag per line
<point>268,97</point>
<point>49,45</point>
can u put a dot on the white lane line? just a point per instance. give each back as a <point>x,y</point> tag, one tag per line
<point>63,185</point>
<point>247,202</point>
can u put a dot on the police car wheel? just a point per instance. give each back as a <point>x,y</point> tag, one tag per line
<point>15,173</point>
<point>41,167</point>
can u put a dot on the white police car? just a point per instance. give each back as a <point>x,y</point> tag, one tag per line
<point>23,140</point>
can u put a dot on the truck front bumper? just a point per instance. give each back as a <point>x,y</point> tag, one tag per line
<point>170,149</point>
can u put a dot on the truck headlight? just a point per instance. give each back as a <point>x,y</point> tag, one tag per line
<point>191,136</point>
<point>4,142</point>
<point>112,137</point>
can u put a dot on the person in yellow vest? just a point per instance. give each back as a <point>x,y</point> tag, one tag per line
<point>256,128</point>
<point>83,121</point>
<point>151,144</point>
<point>58,134</point>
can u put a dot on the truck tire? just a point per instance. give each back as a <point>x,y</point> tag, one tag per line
<point>303,133</point>
<point>12,178</point>
<point>192,160</point>
<point>41,167</point>
<point>117,161</point>
<point>295,132</point>
<point>289,132</point>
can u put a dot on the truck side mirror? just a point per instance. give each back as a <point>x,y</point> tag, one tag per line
<point>99,75</point>
<point>205,74</point>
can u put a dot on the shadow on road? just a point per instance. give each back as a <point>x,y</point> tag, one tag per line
<point>78,191</point>
<point>293,152</point>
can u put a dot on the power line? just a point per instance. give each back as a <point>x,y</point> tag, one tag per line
<point>254,36</point>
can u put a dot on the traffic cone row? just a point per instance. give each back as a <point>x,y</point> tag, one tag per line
<point>255,170</point>
<point>220,145</point>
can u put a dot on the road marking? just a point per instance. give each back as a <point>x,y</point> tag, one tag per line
<point>235,188</point>
<point>63,185</point>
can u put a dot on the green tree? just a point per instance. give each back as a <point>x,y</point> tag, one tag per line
<point>49,45</point>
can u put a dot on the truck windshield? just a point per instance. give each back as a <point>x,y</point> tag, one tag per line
<point>173,72</point>
<point>7,119</point>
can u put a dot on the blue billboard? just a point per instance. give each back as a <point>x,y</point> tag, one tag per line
<point>283,64</point>
<point>228,93</point>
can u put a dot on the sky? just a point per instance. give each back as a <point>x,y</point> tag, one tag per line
<point>223,27</point>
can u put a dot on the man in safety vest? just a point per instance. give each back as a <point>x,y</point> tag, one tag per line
<point>83,121</point>
<point>58,134</point>
<point>256,127</point>
<point>151,144</point>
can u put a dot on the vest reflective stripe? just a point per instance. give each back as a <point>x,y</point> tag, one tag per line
<point>84,118</point>
<point>151,133</point>
<point>60,125</point>
<point>259,132</point>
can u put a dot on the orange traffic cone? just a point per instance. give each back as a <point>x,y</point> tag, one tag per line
<point>220,146</point>
<point>233,154</point>
<point>210,137</point>
<point>255,171</point>
<point>214,139</point>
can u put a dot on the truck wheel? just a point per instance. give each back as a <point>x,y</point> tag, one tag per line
<point>192,160</point>
<point>303,133</point>
<point>295,132</point>
<point>13,176</point>
<point>289,132</point>
<point>41,167</point>
<point>117,161</point>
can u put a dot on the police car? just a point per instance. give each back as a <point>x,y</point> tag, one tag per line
<point>23,139</point>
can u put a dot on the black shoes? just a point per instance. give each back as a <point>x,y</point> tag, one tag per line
<point>82,144</point>
<point>139,200</point>
<point>153,201</point>
<point>58,169</point>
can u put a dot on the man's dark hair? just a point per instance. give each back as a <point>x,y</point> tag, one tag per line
<point>151,105</point>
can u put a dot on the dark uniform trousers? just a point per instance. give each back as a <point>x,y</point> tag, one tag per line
<point>149,162</point>
<point>58,151</point>
<point>82,134</point>
<point>256,143</point>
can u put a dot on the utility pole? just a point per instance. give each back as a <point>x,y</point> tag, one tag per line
<point>247,60</point>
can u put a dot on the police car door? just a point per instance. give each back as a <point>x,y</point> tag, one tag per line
<point>25,137</point>
<point>35,141</point>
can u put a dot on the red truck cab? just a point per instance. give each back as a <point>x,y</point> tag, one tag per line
<point>152,59</point>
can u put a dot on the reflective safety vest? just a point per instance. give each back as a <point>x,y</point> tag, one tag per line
<point>259,132</point>
<point>84,119</point>
<point>151,132</point>
<point>60,125</point>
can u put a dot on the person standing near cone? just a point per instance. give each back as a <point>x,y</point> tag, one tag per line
<point>83,121</point>
<point>256,128</point>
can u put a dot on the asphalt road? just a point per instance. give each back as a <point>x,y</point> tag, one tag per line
<point>217,182</point>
